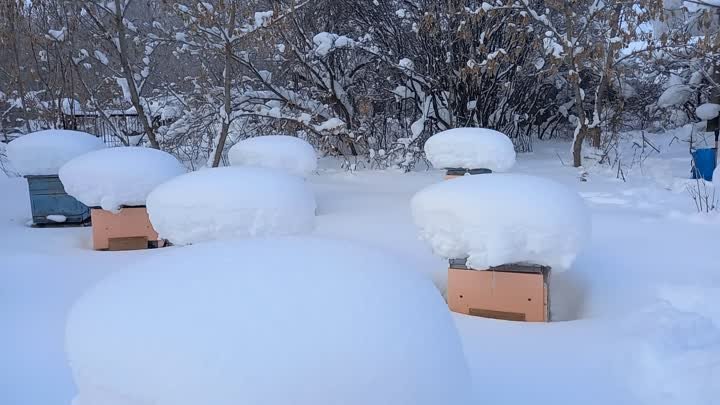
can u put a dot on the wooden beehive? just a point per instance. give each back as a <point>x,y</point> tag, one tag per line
<point>128,229</point>
<point>460,172</point>
<point>514,292</point>
<point>48,197</point>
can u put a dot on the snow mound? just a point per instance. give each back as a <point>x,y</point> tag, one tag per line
<point>115,177</point>
<point>707,111</point>
<point>471,148</point>
<point>44,152</point>
<point>496,219</point>
<point>273,321</point>
<point>276,152</point>
<point>675,355</point>
<point>231,202</point>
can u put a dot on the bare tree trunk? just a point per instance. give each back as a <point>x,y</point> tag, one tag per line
<point>127,72</point>
<point>13,13</point>
<point>227,90</point>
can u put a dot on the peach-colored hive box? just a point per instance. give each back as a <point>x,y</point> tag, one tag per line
<point>129,229</point>
<point>514,292</point>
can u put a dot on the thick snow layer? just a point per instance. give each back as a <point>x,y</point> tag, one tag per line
<point>115,177</point>
<point>707,111</point>
<point>273,321</point>
<point>277,152</point>
<point>496,219</point>
<point>675,358</point>
<point>471,148</point>
<point>44,152</point>
<point>231,202</point>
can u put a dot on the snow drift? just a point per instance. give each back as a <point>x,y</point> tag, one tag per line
<point>231,202</point>
<point>471,148</point>
<point>496,219</point>
<point>278,321</point>
<point>44,152</point>
<point>116,177</point>
<point>282,152</point>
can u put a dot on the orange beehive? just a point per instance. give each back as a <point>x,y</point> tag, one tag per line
<point>514,292</point>
<point>129,229</point>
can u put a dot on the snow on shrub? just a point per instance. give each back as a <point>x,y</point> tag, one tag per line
<point>277,152</point>
<point>471,148</point>
<point>115,177</point>
<point>497,219</point>
<point>44,152</point>
<point>272,321</point>
<point>231,202</point>
<point>707,111</point>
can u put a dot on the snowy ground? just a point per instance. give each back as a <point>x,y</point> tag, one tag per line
<point>638,319</point>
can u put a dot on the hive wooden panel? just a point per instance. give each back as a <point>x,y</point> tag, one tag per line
<point>48,197</point>
<point>128,229</point>
<point>511,292</point>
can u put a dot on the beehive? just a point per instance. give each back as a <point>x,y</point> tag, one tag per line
<point>514,292</point>
<point>459,172</point>
<point>128,229</point>
<point>48,198</point>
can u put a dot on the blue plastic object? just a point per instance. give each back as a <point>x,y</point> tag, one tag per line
<point>48,197</point>
<point>704,163</point>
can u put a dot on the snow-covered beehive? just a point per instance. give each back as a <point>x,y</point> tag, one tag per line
<point>115,182</point>
<point>519,226</point>
<point>231,202</point>
<point>38,156</point>
<point>281,152</point>
<point>266,321</point>
<point>463,151</point>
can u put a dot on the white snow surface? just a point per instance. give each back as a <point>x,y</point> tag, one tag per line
<point>272,321</point>
<point>115,177</point>
<point>231,202</point>
<point>614,310</point>
<point>471,148</point>
<point>283,152</point>
<point>495,219</point>
<point>707,111</point>
<point>44,152</point>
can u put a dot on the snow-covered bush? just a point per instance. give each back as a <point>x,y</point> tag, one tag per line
<point>116,177</point>
<point>471,148</point>
<point>5,166</point>
<point>707,111</point>
<point>231,202</point>
<point>498,219</point>
<point>272,321</point>
<point>287,153</point>
<point>44,152</point>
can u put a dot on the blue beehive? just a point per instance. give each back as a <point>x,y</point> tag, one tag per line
<point>48,197</point>
<point>703,163</point>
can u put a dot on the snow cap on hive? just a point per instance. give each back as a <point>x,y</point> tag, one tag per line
<point>231,202</point>
<point>44,152</point>
<point>282,152</point>
<point>501,219</point>
<point>272,321</point>
<point>471,148</point>
<point>115,177</point>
